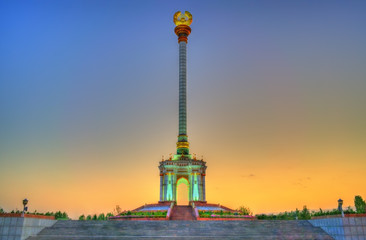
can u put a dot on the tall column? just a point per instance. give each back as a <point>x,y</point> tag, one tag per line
<point>182,29</point>
<point>182,88</point>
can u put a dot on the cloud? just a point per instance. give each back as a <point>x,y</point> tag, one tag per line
<point>248,176</point>
<point>302,182</point>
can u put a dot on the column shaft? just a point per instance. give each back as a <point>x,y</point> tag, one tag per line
<point>174,184</point>
<point>191,184</point>
<point>199,182</point>
<point>204,187</point>
<point>161,188</point>
<point>165,186</point>
<point>182,88</point>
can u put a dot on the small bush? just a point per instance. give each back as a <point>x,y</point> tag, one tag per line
<point>245,210</point>
<point>349,210</point>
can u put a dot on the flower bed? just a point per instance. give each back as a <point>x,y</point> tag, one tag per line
<point>141,215</point>
<point>223,215</point>
<point>133,218</point>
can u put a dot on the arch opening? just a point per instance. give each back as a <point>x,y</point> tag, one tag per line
<point>182,191</point>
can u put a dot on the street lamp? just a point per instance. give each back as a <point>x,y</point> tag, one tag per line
<point>25,208</point>
<point>340,203</point>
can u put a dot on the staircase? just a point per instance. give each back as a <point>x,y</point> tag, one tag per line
<point>174,230</point>
<point>182,213</point>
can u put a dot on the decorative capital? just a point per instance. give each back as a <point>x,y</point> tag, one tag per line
<point>182,32</point>
<point>182,19</point>
<point>182,22</point>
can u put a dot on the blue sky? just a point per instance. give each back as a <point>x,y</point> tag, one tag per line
<point>91,88</point>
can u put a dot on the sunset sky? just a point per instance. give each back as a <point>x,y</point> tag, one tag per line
<point>89,102</point>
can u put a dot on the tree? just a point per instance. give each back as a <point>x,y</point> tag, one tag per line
<point>109,215</point>
<point>360,204</point>
<point>305,213</point>
<point>89,217</point>
<point>58,215</point>
<point>82,218</point>
<point>101,216</point>
<point>1,210</point>
<point>95,217</point>
<point>118,210</point>
<point>245,210</point>
<point>65,216</point>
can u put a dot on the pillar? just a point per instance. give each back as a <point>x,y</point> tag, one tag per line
<point>161,187</point>
<point>199,183</point>
<point>182,88</point>
<point>165,186</point>
<point>174,185</point>
<point>204,187</point>
<point>191,184</point>
<point>182,29</point>
<point>196,195</point>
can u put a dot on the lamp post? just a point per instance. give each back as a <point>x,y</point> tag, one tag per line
<point>25,208</point>
<point>340,203</point>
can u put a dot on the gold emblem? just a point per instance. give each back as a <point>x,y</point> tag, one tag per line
<point>182,19</point>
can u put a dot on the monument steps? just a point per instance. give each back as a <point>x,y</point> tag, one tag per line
<point>182,213</point>
<point>113,230</point>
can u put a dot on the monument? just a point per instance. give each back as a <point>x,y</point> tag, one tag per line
<point>182,167</point>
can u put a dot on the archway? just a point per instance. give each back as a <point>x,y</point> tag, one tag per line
<point>182,191</point>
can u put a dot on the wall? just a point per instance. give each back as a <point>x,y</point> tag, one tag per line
<point>347,228</point>
<point>18,228</point>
